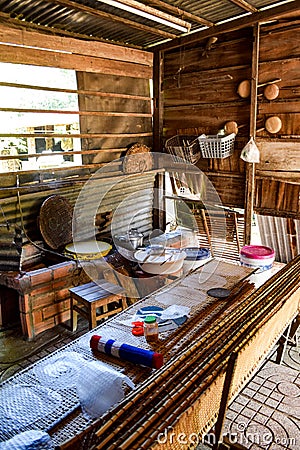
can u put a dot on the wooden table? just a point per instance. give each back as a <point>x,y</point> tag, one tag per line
<point>184,395</point>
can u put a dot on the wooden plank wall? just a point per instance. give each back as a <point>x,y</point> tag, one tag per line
<point>124,114</point>
<point>115,111</point>
<point>199,95</point>
<point>278,173</point>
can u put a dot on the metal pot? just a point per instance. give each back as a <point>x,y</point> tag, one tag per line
<point>135,238</point>
<point>128,243</point>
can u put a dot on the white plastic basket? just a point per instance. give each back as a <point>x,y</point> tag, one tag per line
<point>216,146</point>
<point>184,147</point>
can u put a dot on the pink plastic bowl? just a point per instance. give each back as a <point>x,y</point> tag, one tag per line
<point>257,252</point>
<point>257,257</point>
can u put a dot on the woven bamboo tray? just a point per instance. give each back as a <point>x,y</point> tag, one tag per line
<point>55,221</point>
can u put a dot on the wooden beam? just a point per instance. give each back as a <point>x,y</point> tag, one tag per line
<point>112,17</point>
<point>250,167</point>
<point>33,56</point>
<point>156,13</point>
<point>57,32</point>
<point>73,135</point>
<point>279,107</point>
<point>158,102</point>
<point>237,24</point>
<point>9,35</point>
<point>274,175</point>
<point>78,113</point>
<point>280,156</point>
<point>276,213</point>
<point>180,12</point>
<point>244,5</point>
<point>292,235</point>
<point>76,91</point>
<point>68,153</point>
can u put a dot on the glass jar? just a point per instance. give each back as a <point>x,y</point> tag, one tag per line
<point>151,329</point>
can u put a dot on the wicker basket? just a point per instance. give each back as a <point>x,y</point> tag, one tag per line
<point>216,146</point>
<point>184,147</point>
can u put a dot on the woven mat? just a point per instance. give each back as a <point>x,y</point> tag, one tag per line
<point>55,221</point>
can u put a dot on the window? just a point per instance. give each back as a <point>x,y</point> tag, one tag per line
<point>38,118</point>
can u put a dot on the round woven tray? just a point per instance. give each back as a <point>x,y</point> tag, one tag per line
<point>138,159</point>
<point>55,221</point>
<point>88,250</point>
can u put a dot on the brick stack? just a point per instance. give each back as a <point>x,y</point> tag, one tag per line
<point>44,298</point>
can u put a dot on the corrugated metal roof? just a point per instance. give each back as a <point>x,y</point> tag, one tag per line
<point>95,19</point>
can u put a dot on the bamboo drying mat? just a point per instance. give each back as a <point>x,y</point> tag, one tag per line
<point>189,291</point>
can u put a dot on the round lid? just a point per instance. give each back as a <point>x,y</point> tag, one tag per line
<point>196,254</point>
<point>271,91</point>
<point>231,127</point>
<point>273,124</point>
<point>244,89</point>
<point>257,252</point>
<point>150,319</point>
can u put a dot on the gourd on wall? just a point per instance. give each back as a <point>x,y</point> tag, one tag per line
<point>199,92</point>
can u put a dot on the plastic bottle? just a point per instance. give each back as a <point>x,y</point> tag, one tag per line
<point>151,329</point>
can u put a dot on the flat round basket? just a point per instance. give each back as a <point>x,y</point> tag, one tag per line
<point>88,250</point>
<point>138,159</point>
<point>55,221</point>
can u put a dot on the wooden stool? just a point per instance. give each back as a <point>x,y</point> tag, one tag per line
<point>85,300</point>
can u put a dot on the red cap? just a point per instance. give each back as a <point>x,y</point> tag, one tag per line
<point>157,360</point>
<point>94,341</point>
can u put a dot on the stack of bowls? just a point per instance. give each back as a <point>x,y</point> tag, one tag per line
<point>195,257</point>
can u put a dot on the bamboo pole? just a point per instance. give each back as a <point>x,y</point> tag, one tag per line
<point>78,113</point>
<point>250,167</point>
<point>200,363</point>
<point>258,317</point>
<point>73,135</point>
<point>75,91</point>
<point>139,426</point>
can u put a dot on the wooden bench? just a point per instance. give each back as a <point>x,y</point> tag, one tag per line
<point>92,301</point>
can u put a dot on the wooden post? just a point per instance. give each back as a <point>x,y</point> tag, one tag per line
<point>292,235</point>
<point>250,167</point>
<point>219,427</point>
<point>158,102</point>
<point>159,213</point>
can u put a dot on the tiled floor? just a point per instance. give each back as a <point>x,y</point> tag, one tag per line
<point>266,414</point>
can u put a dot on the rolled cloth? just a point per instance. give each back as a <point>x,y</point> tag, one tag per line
<point>127,352</point>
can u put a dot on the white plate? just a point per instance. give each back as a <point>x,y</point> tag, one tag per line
<point>170,262</point>
<point>169,255</point>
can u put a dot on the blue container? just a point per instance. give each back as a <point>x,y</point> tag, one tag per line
<point>196,254</point>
